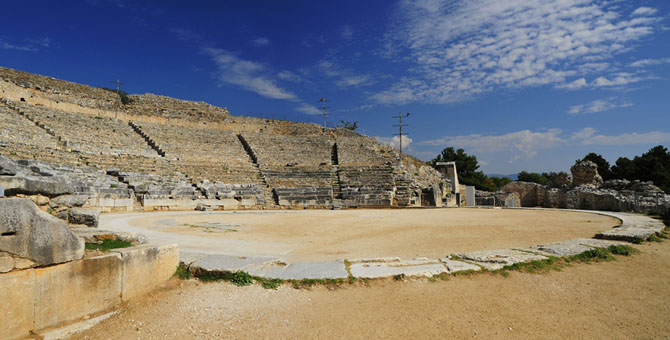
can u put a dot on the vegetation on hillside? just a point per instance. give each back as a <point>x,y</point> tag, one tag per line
<point>125,100</point>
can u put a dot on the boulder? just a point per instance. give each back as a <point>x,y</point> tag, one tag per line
<point>32,185</point>
<point>7,166</point>
<point>70,201</point>
<point>586,173</point>
<point>88,217</point>
<point>30,233</point>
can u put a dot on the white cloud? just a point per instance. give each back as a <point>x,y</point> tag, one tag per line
<point>618,79</point>
<point>599,105</point>
<point>460,49</point>
<point>395,141</point>
<point>644,11</point>
<point>574,85</point>
<point>247,74</point>
<point>344,78</point>
<point>31,45</point>
<point>649,62</point>
<point>308,109</point>
<point>260,42</point>
<point>526,144</point>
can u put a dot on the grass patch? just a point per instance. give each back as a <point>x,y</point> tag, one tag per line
<point>622,249</point>
<point>269,283</point>
<point>107,245</point>
<point>308,283</point>
<point>599,254</point>
<point>182,272</point>
<point>238,278</point>
<point>654,238</point>
<point>537,266</point>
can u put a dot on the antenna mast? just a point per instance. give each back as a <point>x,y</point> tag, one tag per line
<point>400,116</point>
<point>323,101</point>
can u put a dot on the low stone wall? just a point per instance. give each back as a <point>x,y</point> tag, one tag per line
<point>35,299</point>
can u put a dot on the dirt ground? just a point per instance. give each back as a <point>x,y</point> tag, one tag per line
<point>322,235</point>
<point>625,299</point>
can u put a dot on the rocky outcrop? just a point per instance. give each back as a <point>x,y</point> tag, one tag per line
<point>586,173</point>
<point>32,234</point>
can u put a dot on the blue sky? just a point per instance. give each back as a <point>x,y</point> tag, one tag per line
<point>522,84</point>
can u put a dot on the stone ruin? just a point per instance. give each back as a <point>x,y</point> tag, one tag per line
<point>588,191</point>
<point>161,153</point>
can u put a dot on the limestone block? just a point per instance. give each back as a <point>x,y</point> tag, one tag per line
<point>72,290</point>
<point>497,259</point>
<point>71,201</point>
<point>17,305</point>
<point>88,217</point>
<point>31,185</point>
<point>457,266</point>
<point>33,234</point>
<point>382,269</point>
<point>7,166</point>
<point>39,199</point>
<point>586,173</point>
<point>145,267</point>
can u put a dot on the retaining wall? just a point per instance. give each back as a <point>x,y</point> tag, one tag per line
<point>35,299</point>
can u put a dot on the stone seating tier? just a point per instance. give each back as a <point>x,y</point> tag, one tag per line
<point>363,151</point>
<point>86,133</point>
<point>298,177</point>
<point>282,150</point>
<point>198,144</point>
<point>314,197</point>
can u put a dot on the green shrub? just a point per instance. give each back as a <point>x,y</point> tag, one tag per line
<point>107,245</point>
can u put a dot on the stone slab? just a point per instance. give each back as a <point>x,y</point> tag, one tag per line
<point>227,263</point>
<point>17,305</point>
<point>497,259</point>
<point>189,257</point>
<point>458,266</point>
<point>72,290</point>
<point>301,270</point>
<point>574,246</point>
<point>146,267</point>
<point>380,269</point>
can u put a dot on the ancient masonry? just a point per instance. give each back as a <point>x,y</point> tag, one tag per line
<point>160,153</point>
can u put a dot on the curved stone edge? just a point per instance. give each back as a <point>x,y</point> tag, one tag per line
<point>633,228</point>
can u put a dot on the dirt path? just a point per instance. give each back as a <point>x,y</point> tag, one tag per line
<point>625,299</point>
<point>323,235</point>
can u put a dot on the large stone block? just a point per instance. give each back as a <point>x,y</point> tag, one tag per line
<point>586,173</point>
<point>17,306</point>
<point>72,290</point>
<point>28,232</point>
<point>88,217</point>
<point>145,267</point>
<point>32,185</point>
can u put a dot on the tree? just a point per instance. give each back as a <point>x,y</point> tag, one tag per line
<point>349,125</point>
<point>466,168</point>
<point>532,177</point>
<point>602,163</point>
<point>654,165</point>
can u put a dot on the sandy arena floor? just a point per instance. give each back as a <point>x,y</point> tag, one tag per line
<point>626,299</point>
<point>320,235</point>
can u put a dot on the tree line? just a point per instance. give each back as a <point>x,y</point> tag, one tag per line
<point>654,165</point>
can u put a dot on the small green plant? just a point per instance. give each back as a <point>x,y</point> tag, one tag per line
<point>107,244</point>
<point>113,186</point>
<point>537,266</point>
<point>399,277</point>
<point>654,238</point>
<point>622,249</point>
<point>241,278</point>
<point>182,272</point>
<point>269,283</point>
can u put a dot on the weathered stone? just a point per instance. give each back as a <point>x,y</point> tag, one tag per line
<point>497,259</point>
<point>17,304</point>
<point>227,263</point>
<point>586,173</point>
<point>530,194</point>
<point>426,268</point>
<point>145,267</point>
<point>84,216</point>
<point>7,166</point>
<point>72,201</point>
<point>633,228</point>
<point>39,199</point>
<point>574,246</point>
<point>457,266</point>
<point>300,270</point>
<point>33,234</point>
<point>32,185</point>
<point>6,263</point>
<point>21,263</point>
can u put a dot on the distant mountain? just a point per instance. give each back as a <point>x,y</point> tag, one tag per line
<point>510,176</point>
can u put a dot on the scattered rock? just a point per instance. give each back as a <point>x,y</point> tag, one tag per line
<point>7,166</point>
<point>84,216</point>
<point>586,173</point>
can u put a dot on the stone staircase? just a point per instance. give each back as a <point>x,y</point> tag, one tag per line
<point>271,198</point>
<point>149,141</point>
